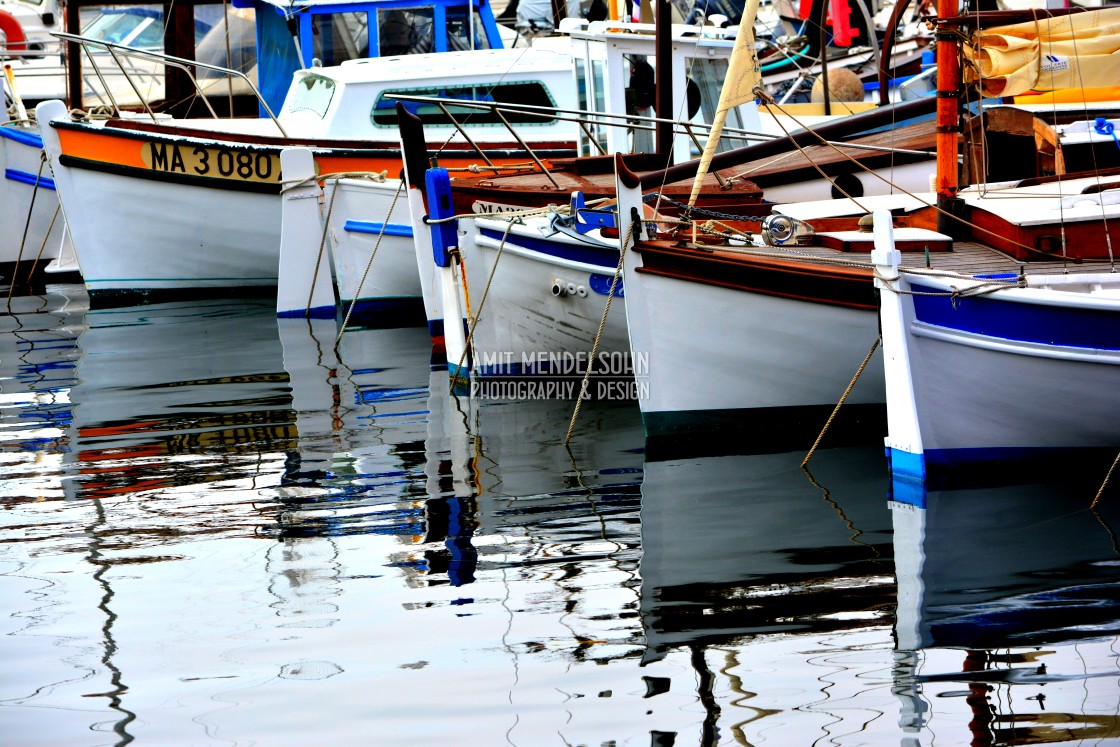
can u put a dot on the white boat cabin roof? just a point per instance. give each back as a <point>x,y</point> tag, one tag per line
<point>350,101</point>
<point>450,67</point>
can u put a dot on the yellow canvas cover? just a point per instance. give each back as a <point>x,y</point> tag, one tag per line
<point>1080,50</point>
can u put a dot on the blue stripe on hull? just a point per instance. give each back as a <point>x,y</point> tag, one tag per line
<point>319,312</point>
<point>945,468</point>
<point>390,229</point>
<point>1021,322</point>
<point>385,313</point>
<point>23,177</point>
<point>22,136</point>
<point>589,255</point>
<point>760,430</point>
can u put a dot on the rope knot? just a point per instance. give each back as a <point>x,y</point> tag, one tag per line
<point>1103,127</point>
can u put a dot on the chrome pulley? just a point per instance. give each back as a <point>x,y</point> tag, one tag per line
<point>782,230</point>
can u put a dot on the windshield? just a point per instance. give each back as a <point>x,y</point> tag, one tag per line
<point>125,26</point>
<point>529,92</point>
<point>313,93</point>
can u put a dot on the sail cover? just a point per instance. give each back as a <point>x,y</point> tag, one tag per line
<point>1081,50</point>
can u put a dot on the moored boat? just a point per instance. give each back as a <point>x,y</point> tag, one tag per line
<point>762,327</point>
<point>987,367</point>
<point>223,177</point>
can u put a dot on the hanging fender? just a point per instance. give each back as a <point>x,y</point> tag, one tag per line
<point>17,40</point>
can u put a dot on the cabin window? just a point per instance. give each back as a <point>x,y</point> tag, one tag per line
<point>405,31</point>
<point>533,93</point>
<point>413,31</point>
<point>312,94</point>
<point>340,36</point>
<point>459,31</point>
<point>231,43</point>
<point>706,76</point>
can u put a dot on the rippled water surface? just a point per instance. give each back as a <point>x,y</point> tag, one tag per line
<point>219,530</point>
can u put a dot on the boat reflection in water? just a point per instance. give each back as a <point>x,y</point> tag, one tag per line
<point>379,452</point>
<point>787,590</point>
<point>724,538</point>
<point>773,579</point>
<point>38,350</point>
<point>1008,610</point>
<point>173,396</point>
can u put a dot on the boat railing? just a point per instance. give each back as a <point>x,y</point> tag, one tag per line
<point>32,48</point>
<point>118,51</point>
<point>589,120</point>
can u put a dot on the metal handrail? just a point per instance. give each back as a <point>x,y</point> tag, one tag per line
<point>177,62</point>
<point>629,121</point>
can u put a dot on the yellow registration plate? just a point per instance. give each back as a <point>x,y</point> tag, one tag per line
<point>240,164</point>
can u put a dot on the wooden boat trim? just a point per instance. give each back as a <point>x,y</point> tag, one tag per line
<point>828,284</point>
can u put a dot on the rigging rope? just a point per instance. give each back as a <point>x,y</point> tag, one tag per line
<point>933,206</point>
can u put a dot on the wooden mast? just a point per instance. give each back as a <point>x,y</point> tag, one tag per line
<point>948,121</point>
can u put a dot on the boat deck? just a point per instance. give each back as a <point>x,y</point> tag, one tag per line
<point>966,257</point>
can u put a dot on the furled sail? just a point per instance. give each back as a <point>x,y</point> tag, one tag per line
<point>743,75</point>
<point>1080,50</point>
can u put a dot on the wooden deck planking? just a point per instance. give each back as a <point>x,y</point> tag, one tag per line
<point>966,258</point>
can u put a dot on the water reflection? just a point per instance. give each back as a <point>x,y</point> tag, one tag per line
<point>173,396</point>
<point>38,350</point>
<point>734,546</point>
<point>215,522</point>
<point>1008,610</point>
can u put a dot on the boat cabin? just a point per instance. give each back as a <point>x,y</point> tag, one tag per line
<point>354,100</point>
<point>272,39</point>
<point>614,73</point>
<point>294,35</point>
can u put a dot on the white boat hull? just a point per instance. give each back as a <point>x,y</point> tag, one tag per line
<point>369,216</point>
<point>526,327</point>
<point>724,360</point>
<point>1009,375</point>
<point>202,239</point>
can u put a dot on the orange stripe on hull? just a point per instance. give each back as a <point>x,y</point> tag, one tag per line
<point>235,161</point>
<point>93,145</point>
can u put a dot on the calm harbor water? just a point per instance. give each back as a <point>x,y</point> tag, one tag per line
<point>217,530</point>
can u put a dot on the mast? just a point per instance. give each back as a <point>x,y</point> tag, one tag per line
<point>948,121</point>
<point>663,66</point>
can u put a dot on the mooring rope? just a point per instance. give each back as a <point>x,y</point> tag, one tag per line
<point>843,397</point>
<point>469,342</point>
<point>602,325</point>
<point>369,263</point>
<point>1107,477</point>
<point>27,223</point>
<point>43,245</point>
